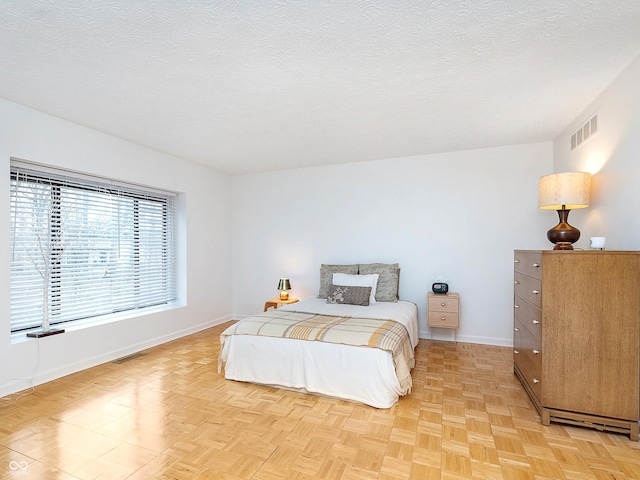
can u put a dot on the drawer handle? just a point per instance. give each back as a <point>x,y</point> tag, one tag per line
<point>536,352</point>
<point>535,292</point>
<point>517,261</point>
<point>443,318</point>
<point>536,265</point>
<point>536,322</point>
<point>516,352</point>
<point>517,306</point>
<point>516,329</point>
<point>443,304</point>
<point>517,282</point>
<point>535,380</point>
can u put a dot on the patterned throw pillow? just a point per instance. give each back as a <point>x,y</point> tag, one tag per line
<point>348,295</point>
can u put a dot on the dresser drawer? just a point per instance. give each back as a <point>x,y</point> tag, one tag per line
<point>529,263</point>
<point>444,319</point>
<point>529,315</point>
<point>527,355</point>
<point>444,303</point>
<point>530,370</point>
<point>528,288</point>
<point>525,340</point>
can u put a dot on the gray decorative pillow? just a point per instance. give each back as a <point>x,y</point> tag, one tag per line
<point>349,295</point>
<point>326,276</point>
<point>388,280</point>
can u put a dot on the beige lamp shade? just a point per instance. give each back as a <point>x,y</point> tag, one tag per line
<point>564,191</point>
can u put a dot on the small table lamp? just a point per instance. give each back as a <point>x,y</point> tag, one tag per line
<point>283,285</point>
<point>564,192</point>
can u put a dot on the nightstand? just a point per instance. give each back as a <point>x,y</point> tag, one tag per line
<point>443,310</point>
<point>276,302</point>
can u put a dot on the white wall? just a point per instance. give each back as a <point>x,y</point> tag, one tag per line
<point>205,245</point>
<point>458,214</point>
<point>613,156</point>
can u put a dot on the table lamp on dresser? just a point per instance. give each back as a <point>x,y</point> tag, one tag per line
<point>564,192</point>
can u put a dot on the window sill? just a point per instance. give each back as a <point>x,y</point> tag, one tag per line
<point>76,325</point>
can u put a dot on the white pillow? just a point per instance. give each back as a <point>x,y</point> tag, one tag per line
<point>347,280</point>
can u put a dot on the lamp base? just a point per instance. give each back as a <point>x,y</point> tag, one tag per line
<point>563,234</point>
<point>284,295</point>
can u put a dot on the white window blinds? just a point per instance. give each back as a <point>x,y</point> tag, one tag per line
<point>81,249</point>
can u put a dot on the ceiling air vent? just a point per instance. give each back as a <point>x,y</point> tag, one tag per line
<point>585,132</point>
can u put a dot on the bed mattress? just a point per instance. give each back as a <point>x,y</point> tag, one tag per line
<point>357,373</point>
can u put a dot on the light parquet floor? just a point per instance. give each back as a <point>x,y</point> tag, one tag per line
<point>169,415</point>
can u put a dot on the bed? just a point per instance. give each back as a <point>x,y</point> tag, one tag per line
<point>360,350</point>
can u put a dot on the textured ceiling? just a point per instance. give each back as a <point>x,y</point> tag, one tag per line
<point>258,85</point>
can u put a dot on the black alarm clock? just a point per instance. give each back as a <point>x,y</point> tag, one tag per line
<point>440,287</point>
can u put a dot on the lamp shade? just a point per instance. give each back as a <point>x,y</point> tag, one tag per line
<point>564,191</point>
<point>284,284</point>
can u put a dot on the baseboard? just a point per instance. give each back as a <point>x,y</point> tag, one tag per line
<point>499,342</point>
<point>16,385</point>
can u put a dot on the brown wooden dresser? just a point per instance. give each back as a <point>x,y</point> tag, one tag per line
<point>577,336</point>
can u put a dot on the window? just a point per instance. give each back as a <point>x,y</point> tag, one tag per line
<point>82,248</point>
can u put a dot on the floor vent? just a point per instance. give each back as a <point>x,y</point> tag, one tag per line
<point>128,358</point>
<point>585,132</point>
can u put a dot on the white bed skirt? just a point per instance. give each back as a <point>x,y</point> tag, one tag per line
<point>360,374</point>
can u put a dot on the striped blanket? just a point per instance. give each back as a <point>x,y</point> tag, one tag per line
<point>386,334</point>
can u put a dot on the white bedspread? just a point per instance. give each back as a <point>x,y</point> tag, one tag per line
<point>360,374</point>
